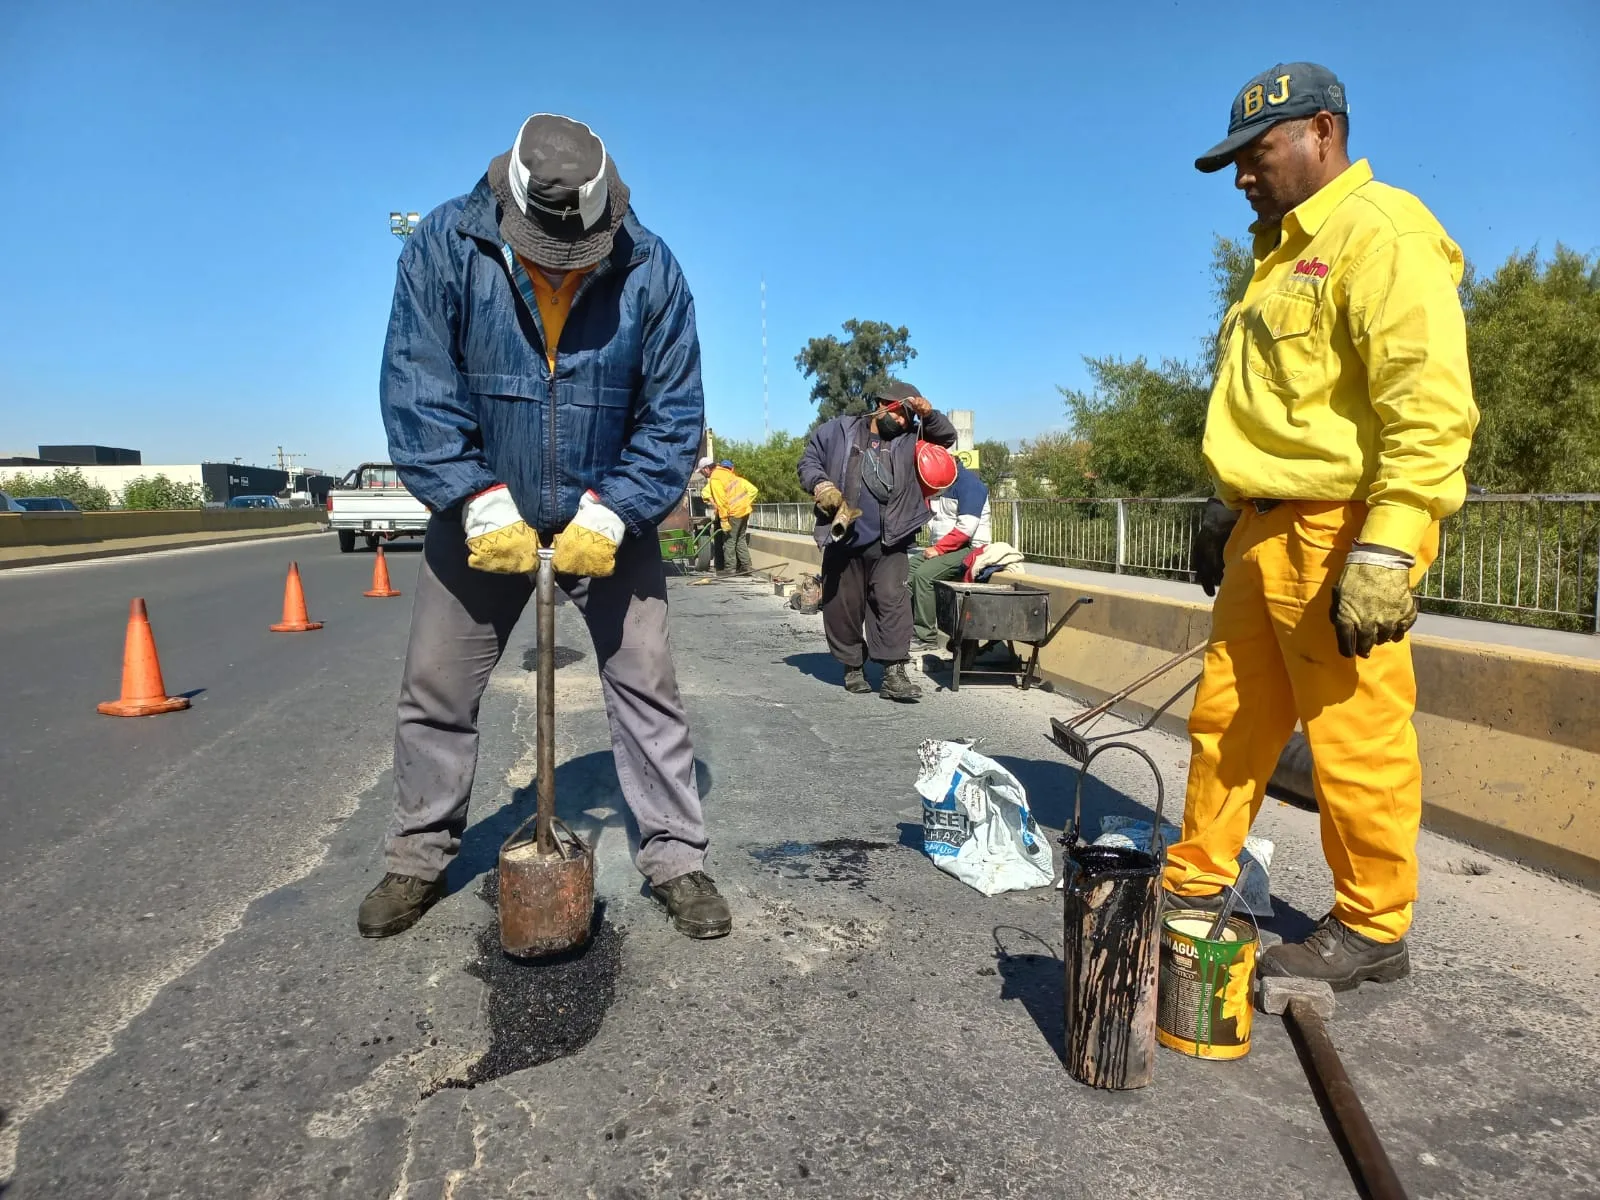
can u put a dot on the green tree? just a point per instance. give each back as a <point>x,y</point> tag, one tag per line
<point>63,481</point>
<point>844,373</point>
<point>994,460</point>
<point>1054,464</point>
<point>1232,264</point>
<point>1143,425</point>
<point>1533,336</point>
<point>772,465</point>
<point>160,492</point>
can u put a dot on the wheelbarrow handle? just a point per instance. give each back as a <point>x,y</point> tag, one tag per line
<point>1157,841</point>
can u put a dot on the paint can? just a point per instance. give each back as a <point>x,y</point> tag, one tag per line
<point>1203,1006</point>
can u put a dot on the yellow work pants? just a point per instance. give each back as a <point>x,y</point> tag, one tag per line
<point>1272,659</point>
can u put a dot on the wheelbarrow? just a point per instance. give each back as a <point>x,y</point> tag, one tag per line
<point>978,616</point>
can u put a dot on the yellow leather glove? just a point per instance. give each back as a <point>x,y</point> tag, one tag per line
<point>498,539</point>
<point>1372,602</point>
<point>727,525</point>
<point>588,546</point>
<point>828,497</point>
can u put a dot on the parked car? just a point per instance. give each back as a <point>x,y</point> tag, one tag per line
<point>254,502</point>
<point>371,501</point>
<point>8,505</point>
<point>46,504</point>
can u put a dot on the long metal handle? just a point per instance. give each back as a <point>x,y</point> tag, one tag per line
<point>1371,1160</point>
<point>545,725</point>
<point>1149,677</point>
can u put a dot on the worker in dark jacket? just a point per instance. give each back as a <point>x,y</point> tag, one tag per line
<point>862,471</point>
<point>541,384</point>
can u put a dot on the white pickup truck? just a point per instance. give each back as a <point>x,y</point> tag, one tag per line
<point>372,502</point>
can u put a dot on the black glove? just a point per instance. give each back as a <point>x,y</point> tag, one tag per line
<point>1216,523</point>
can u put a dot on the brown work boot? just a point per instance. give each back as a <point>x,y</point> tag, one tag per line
<point>396,904</point>
<point>1339,956</point>
<point>855,681</point>
<point>897,685</point>
<point>696,907</point>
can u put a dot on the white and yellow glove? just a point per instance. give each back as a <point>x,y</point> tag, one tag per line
<point>498,539</point>
<point>588,546</point>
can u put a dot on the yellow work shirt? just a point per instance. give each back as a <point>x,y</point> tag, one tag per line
<point>730,494</point>
<point>1343,374</point>
<point>554,303</point>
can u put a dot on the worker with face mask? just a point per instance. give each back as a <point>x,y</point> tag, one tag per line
<point>867,474</point>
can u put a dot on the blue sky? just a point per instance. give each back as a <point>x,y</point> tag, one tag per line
<point>196,259</point>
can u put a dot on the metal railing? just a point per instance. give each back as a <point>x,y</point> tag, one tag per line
<point>1526,560</point>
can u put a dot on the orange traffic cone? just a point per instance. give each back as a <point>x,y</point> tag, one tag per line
<point>380,578</point>
<point>295,618</point>
<point>143,692</point>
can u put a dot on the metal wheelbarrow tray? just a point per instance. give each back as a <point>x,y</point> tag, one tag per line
<point>972,614</point>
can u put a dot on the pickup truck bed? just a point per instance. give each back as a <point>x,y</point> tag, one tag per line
<point>372,503</point>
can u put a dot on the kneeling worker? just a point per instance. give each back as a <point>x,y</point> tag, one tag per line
<point>869,466</point>
<point>1337,432</point>
<point>959,526</point>
<point>541,383</point>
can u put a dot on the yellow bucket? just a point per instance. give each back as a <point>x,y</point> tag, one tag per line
<point>1203,1004</point>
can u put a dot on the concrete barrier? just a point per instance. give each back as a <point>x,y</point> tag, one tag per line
<point>79,528</point>
<point>1510,738</point>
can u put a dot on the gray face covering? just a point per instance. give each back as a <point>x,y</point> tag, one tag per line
<point>877,474</point>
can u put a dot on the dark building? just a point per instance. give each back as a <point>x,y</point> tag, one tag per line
<point>226,480</point>
<point>91,456</point>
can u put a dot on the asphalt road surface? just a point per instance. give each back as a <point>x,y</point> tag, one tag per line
<point>189,1012</point>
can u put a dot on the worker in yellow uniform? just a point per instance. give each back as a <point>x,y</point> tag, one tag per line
<point>1338,428</point>
<point>733,497</point>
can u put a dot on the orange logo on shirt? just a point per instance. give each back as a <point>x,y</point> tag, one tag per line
<point>1315,267</point>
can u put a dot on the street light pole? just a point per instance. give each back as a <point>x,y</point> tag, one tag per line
<point>403,225</point>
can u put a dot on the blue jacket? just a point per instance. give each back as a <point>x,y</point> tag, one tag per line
<point>467,394</point>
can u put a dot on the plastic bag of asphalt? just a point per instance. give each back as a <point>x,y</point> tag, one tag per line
<point>975,821</point>
<point>1255,889</point>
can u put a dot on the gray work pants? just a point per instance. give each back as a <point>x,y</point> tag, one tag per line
<point>735,545</point>
<point>460,623</point>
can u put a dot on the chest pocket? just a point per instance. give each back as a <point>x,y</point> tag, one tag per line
<point>1282,335</point>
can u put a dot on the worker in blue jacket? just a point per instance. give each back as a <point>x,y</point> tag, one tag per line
<point>541,383</point>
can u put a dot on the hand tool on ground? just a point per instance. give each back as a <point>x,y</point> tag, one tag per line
<point>1071,735</point>
<point>1304,1005</point>
<point>547,881</point>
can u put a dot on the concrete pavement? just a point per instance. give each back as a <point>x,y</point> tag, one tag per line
<point>197,1017</point>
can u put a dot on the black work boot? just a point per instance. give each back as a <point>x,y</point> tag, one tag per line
<point>855,681</point>
<point>396,903</point>
<point>696,907</point>
<point>1172,902</point>
<point>897,684</point>
<point>1339,956</point>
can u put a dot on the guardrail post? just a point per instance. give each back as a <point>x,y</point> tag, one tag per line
<point>1122,535</point>
<point>1016,526</point>
<point>1596,629</point>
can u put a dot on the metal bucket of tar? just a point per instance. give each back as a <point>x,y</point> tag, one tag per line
<point>1203,1008</point>
<point>1111,896</point>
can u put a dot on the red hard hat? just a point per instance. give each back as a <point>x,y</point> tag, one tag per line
<point>936,468</point>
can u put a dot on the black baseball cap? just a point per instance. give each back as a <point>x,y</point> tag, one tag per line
<point>1287,91</point>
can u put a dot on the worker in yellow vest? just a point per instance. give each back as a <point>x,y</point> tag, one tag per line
<point>1338,429</point>
<point>734,498</point>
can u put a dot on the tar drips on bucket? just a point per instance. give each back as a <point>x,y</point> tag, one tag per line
<point>1203,1007</point>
